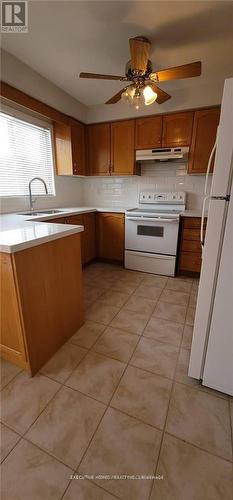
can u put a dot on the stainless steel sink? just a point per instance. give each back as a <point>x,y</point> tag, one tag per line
<point>43,212</point>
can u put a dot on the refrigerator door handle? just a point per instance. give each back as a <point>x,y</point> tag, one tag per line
<point>209,165</point>
<point>206,196</point>
<point>202,221</point>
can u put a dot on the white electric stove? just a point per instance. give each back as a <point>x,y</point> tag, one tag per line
<point>151,233</point>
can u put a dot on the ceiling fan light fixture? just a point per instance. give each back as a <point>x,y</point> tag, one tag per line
<point>149,95</point>
<point>138,99</point>
<point>128,94</point>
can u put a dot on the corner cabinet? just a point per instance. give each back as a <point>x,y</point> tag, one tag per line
<point>111,148</point>
<point>205,126</point>
<point>110,236</point>
<point>70,147</point>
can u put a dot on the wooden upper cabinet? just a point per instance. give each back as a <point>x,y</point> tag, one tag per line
<point>122,148</point>
<point>78,147</point>
<point>110,236</point>
<point>99,149</point>
<point>148,132</point>
<point>63,149</point>
<point>177,129</point>
<point>69,148</point>
<point>205,126</point>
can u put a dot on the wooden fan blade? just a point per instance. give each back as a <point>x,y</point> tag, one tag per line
<point>139,49</point>
<point>162,95</point>
<point>101,77</point>
<point>116,97</point>
<point>185,71</point>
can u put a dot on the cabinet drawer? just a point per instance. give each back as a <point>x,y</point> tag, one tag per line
<point>191,246</point>
<point>77,220</point>
<point>193,222</point>
<point>59,220</point>
<point>191,234</point>
<point>190,262</point>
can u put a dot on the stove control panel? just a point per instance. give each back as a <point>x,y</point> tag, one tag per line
<point>166,198</point>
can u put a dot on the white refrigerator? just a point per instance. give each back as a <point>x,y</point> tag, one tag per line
<point>211,359</point>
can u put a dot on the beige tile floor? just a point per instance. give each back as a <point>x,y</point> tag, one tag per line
<point>116,400</point>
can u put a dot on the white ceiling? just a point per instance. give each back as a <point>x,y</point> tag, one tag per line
<point>67,37</point>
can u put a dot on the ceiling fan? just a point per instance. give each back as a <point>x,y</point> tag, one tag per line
<point>143,88</point>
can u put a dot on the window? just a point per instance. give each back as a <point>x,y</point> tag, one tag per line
<point>25,152</point>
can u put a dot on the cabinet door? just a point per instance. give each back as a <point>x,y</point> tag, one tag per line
<point>89,245</point>
<point>99,149</point>
<point>148,132</point>
<point>205,126</point>
<point>110,236</point>
<point>78,220</point>
<point>122,148</point>
<point>12,343</point>
<point>177,129</point>
<point>63,150</point>
<point>78,147</point>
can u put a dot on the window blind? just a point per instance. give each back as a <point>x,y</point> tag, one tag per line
<point>25,152</point>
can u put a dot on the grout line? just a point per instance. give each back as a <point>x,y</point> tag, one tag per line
<point>18,440</point>
<point>22,370</point>
<point>108,405</point>
<point>199,447</point>
<point>166,418</point>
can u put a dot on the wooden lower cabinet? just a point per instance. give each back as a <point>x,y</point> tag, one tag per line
<point>41,301</point>
<point>59,220</point>
<point>190,246</point>
<point>110,232</point>
<point>12,341</point>
<point>88,236</point>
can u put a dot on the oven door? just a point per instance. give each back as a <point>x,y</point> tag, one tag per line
<point>151,234</point>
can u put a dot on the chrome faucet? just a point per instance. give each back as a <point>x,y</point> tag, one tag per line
<point>30,190</point>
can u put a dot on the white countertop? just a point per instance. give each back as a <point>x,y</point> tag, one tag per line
<point>192,213</point>
<point>19,231</point>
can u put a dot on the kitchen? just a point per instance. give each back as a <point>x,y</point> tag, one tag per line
<point>102,216</point>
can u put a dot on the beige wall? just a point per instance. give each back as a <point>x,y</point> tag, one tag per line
<point>76,191</point>
<point>182,98</point>
<point>24,78</point>
<point>68,190</point>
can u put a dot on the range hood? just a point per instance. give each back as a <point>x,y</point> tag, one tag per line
<point>161,154</point>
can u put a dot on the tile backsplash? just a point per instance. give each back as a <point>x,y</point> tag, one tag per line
<point>124,191</point>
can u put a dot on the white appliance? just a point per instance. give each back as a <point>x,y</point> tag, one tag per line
<point>162,154</point>
<point>212,347</point>
<point>151,233</point>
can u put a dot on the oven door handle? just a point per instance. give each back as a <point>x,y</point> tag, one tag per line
<point>152,219</point>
